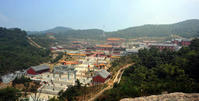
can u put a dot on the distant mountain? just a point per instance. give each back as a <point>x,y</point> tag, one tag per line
<point>188,28</point>
<point>58,29</point>
<point>81,34</point>
<point>46,40</point>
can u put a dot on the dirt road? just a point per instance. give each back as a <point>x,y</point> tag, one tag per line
<point>33,43</point>
<point>116,79</point>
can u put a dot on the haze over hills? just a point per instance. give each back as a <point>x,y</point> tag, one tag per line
<point>58,29</point>
<point>188,28</point>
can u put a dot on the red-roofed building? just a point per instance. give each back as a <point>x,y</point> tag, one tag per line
<point>104,47</point>
<point>114,41</point>
<point>182,42</point>
<point>101,77</point>
<point>35,70</point>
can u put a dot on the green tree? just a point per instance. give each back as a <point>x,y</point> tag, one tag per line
<point>195,45</point>
<point>9,94</point>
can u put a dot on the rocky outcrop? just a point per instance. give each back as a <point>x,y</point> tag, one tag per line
<point>167,97</point>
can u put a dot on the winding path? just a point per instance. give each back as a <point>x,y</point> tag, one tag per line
<point>33,43</point>
<point>116,79</point>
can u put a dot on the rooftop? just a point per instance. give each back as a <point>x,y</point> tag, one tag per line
<point>103,73</point>
<point>63,68</point>
<point>40,67</point>
<point>69,62</point>
<point>106,46</point>
<point>114,39</point>
<point>162,44</point>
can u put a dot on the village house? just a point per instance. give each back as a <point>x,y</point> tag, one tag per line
<point>101,77</point>
<point>35,70</point>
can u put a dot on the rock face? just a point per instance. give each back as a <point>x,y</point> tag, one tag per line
<point>167,97</point>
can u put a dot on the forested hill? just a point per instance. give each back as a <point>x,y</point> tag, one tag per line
<point>16,53</point>
<point>188,28</point>
<point>58,29</point>
<point>155,72</point>
<point>70,33</point>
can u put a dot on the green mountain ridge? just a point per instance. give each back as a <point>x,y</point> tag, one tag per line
<point>58,29</point>
<point>188,28</point>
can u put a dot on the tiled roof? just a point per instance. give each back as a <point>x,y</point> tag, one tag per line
<point>103,73</point>
<point>161,44</point>
<point>113,39</point>
<point>40,67</point>
<point>106,46</point>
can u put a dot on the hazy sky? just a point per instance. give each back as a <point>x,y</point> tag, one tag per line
<point>86,14</point>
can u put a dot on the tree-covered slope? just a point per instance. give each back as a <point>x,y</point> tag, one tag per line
<point>67,36</point>
<point>16,53</point>
<point>157,71</point>
<point>82,34</point>
<point>188,28</point>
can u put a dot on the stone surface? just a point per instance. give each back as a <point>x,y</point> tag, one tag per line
<point>167,97</point>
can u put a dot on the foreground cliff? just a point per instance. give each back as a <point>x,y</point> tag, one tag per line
<point>167,97</point>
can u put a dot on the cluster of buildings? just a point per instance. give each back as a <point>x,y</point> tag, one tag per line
<point>181,42</point>
<point>86,63</point>
<point>174,45</point>
<point>11,76</point>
